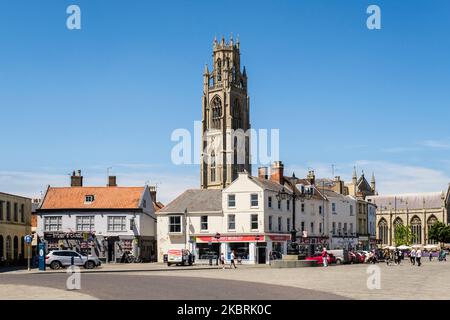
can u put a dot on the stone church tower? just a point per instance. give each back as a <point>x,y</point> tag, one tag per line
<point>225,109</point>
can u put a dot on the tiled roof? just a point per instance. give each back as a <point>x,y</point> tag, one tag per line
<point>195,200</point>
<point>104,198</point>
<point>429,200</point>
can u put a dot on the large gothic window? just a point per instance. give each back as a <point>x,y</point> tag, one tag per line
<point>216,113</point>
<point>416,230</point>
<point>431,221</point>
<point>213,167</point>
<point>383,231</point>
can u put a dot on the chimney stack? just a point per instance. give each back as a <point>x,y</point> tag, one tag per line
<point>153,192</point>
<point>277,172</point>
<point>339,185</point>
<point>76,180</point>
<point>112,181</point>
<point>263,173</point>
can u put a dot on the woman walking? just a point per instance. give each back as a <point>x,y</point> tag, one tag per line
<point>233,256</point>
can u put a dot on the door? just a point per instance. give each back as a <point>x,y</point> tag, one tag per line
<point>261,255</point>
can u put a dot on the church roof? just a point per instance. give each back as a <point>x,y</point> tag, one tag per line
<point>412,201</point>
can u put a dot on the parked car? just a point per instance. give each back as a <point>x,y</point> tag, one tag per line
<point>58,259</point>
<point>318,258</point>
<point>352,257</point>
<point>341,255</point>
<point>179,257</point>
<point>361,257</point>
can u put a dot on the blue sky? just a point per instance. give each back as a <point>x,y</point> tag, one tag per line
<point>110,94</point>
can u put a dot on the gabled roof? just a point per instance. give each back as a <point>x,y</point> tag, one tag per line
<point>266,184</point>
<point>104,198</point>
<point>195,200</point>
<point>412,201</point>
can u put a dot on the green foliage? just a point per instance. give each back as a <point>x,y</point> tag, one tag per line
<point>440,232</point>
<point>403,235</point>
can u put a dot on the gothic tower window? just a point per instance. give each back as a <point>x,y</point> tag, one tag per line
<point>383,231</point>
<point>431,221</point>
<point>237,122</point>
<point>235,158</point>
<point>416,230</point>
<point>213,167</point>
<point>216,113</point>
<point>219,70</point>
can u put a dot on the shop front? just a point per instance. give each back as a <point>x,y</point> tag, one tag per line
<point>248,249</point>
<point>309,245</point>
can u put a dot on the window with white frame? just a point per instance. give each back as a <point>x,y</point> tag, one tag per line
<point>231,201</point>
<point>117,223</point>
<point>254,200</point>
<point>53,223</point>
<point>231,222</point>
<point>345,227</point>
<point>302,226</point>
<point>333,208</point>
<point>254,221</point>
<point>288,204</point>
<point>175,224</point>
<point>279,223</point>
<point>279,204</point>
<point>204,223</point>
<point>303,207</point>
<point>85,223</point>
<point>320,227</point>
<point>270,223</point>
<point>339,227</point>
<point>312,227</point>
<point>270,202</point>
<point>288,224</point>
<point>333,228</point>
<point>351,228</point>
<point>89,198</point>
<point>351,210</point>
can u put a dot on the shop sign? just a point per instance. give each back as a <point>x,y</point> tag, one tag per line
<point>230,238</point>
<point>279,237</point>
<point>63,236</point>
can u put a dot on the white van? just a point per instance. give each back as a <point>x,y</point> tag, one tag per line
<point>180,257</point>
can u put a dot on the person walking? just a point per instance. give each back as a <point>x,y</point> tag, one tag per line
<point>430,257</point>
<point>232,256</point>
<point>222,260</point>
<point>418,257</point>
<point>412,256</point>
<point>325,257</point>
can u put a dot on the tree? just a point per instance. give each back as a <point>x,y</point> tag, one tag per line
<point>439,232</point>
<point>403,235</point>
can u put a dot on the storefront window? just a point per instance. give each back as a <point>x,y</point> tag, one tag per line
<point>206,251</point>
<point>241,249</point>
<point>277,247</point>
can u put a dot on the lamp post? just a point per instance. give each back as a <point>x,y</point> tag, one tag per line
<point>301,193</point>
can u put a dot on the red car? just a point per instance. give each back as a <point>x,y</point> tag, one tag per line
<point>318,258</point>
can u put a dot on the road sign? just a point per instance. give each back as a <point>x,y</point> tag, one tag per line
<point>41,248</point>
<point>28,239</point>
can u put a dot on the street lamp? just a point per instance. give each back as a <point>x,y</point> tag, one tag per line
<point>301,192</point>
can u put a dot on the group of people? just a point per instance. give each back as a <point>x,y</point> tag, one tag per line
<point>233,257</point>
<point>415,256</point>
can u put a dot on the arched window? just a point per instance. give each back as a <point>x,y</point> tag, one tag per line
<point>219,70</point>
<point>383,231</point>
<point>430,222</point>
<point>237,113</point>
<point>416,230</point>
<point>233,73</point>
<point>8,248</point>
<point>16,248</point>
<point>235,158</point>
<point>216,113</point>
<point>213,167</point>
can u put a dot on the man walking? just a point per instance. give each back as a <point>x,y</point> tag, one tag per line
<point>325,257</point>
<point>418,257</point>
<point>412,256</point>
<point>431,256</point>
<point>232,256</point>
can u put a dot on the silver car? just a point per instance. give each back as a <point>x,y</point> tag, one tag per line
<point>62,258</point>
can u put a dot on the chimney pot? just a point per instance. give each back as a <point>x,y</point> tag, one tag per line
<point>76,180</point>
<point>277,172</point>
<point>263,173</point>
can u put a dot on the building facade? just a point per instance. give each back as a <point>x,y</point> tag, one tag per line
<point>418,211</point>
<point>225,118</point>
<point>15,224</point>
<point>103,221</point>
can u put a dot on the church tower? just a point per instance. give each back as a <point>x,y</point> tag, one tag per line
<point>225,118</point>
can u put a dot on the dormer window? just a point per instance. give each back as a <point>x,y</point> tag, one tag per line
<point>89,199</point>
